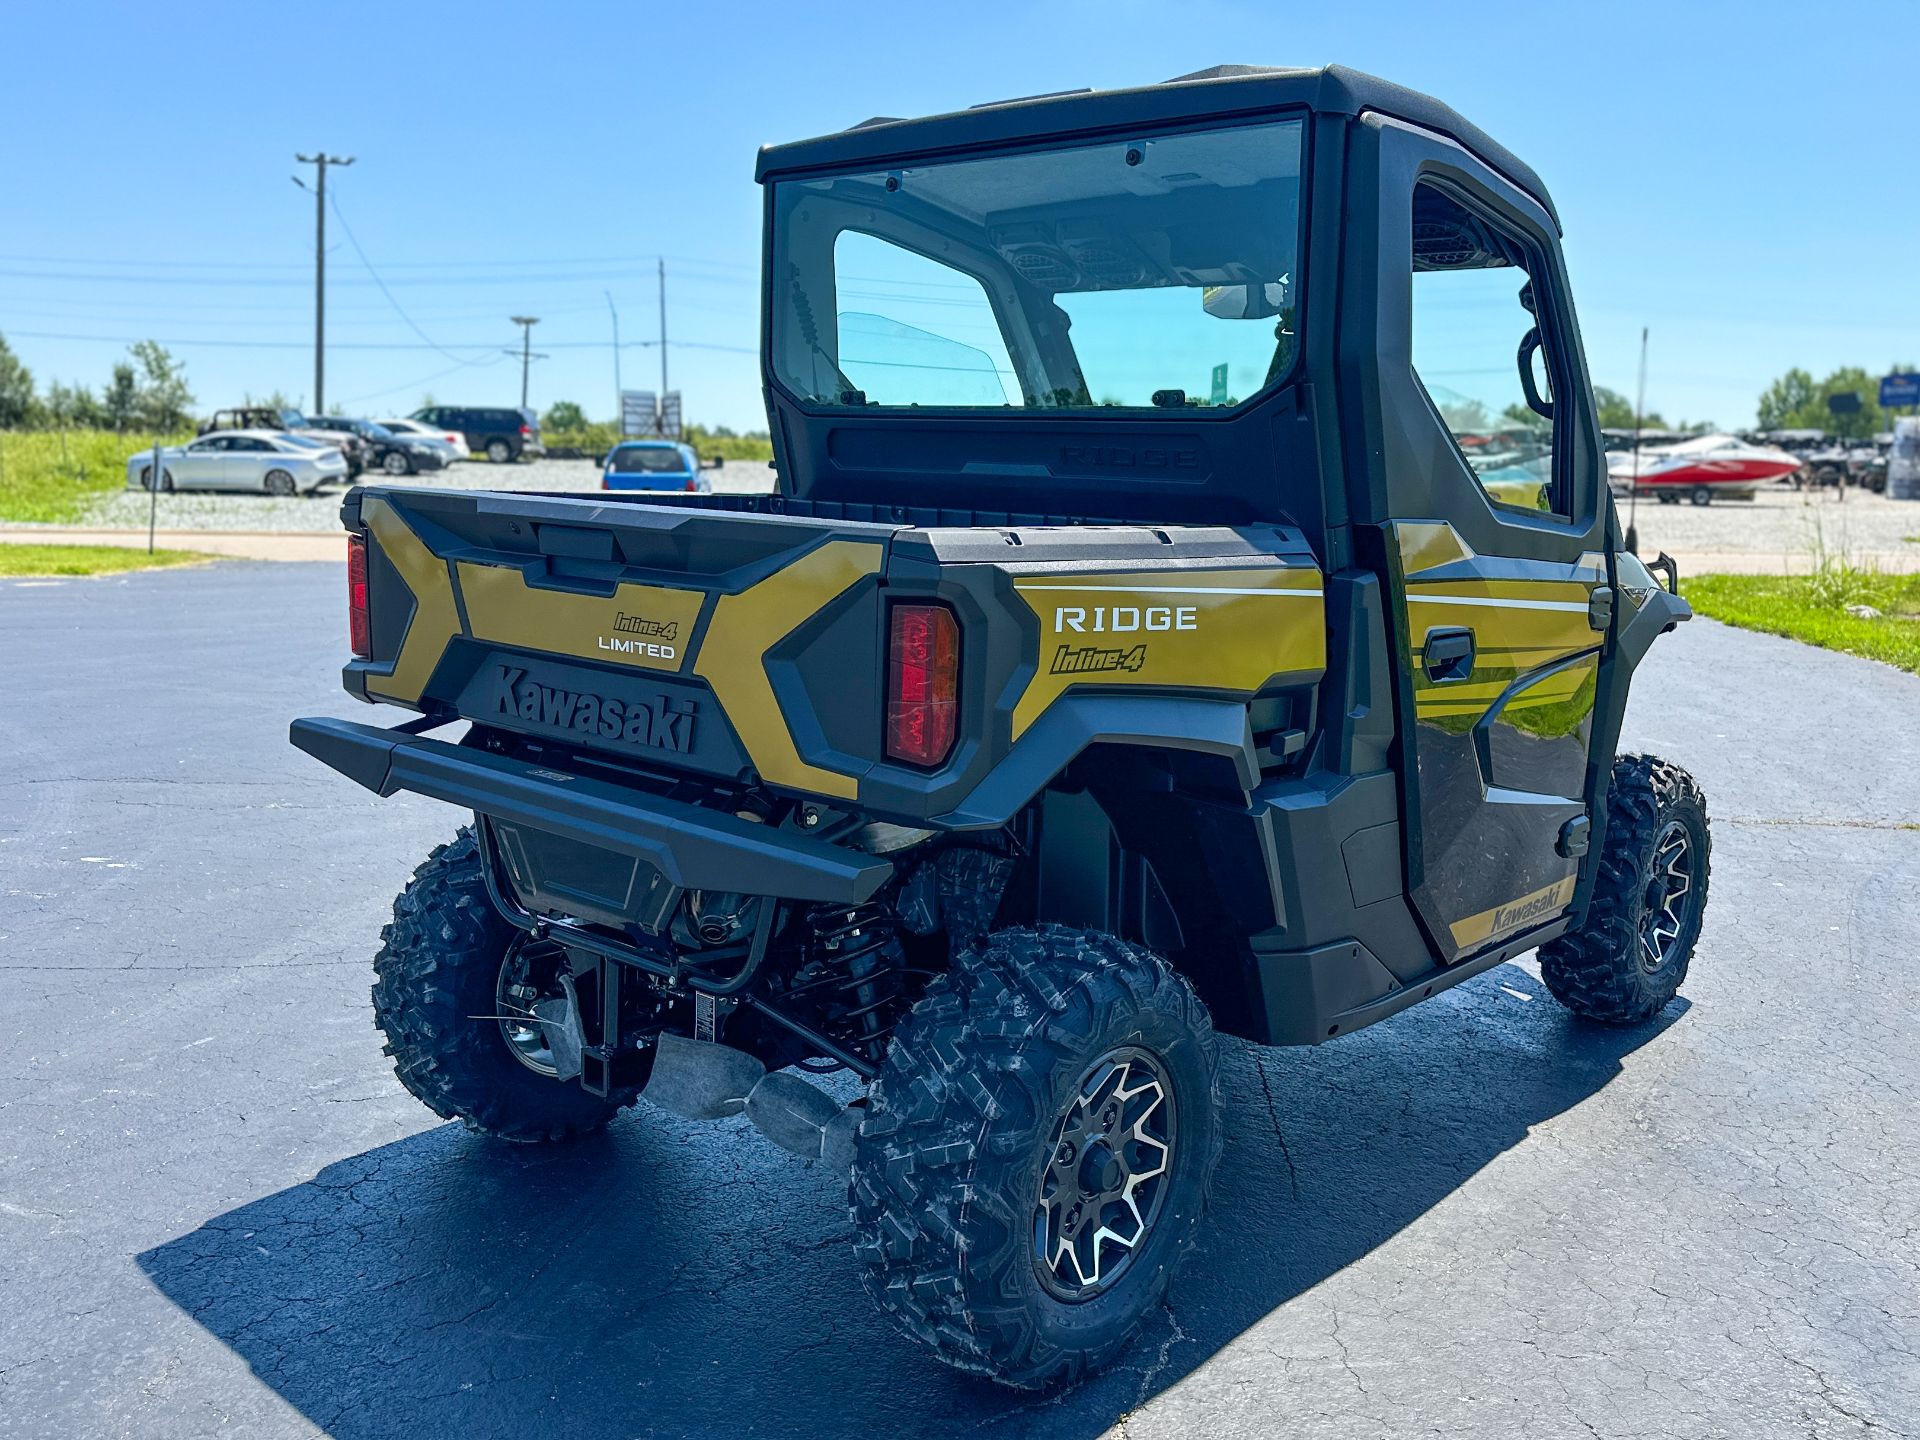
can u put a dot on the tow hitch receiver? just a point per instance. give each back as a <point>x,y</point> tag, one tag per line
<point>704,1081</point>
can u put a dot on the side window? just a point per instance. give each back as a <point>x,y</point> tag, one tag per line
<point>913,331</point>
<point>1481,353</point>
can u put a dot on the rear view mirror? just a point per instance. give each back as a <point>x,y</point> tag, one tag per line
<point>1244,302</point>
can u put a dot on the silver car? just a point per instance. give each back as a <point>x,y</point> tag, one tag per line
<point>264,461</point>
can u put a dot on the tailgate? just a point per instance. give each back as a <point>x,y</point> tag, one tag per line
<point>655,632</point>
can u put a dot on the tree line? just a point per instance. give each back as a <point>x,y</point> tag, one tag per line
<point>565,423</point>
<point>1796,401</point>
<point>146,392</point>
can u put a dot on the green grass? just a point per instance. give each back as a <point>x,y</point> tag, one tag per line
<point>52,479</point>
<point>598,439</point>
<point>1812,608</point>
<point>19,561</point>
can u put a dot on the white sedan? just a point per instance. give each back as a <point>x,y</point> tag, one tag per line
<point>452,439</point>
<point>264,461</point>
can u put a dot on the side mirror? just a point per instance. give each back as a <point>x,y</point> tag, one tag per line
<point>1244,302</point>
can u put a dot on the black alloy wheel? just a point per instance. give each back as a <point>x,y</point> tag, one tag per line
<point>1106,1175</point>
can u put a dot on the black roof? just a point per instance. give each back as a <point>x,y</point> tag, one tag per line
<point>1225,91</point>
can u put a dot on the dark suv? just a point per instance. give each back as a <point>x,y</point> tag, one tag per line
<point>502,435</point>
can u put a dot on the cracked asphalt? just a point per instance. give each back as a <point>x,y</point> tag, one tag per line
<point>220,1215</point>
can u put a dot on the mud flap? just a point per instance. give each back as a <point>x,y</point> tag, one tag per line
<point>559,1021</point>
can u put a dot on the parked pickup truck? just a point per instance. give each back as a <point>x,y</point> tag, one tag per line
<point>1131,651</point>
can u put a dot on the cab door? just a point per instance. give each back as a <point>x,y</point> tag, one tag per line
<point>1490,529</point>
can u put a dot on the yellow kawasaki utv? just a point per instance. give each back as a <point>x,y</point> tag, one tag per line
<point>1191,603</point>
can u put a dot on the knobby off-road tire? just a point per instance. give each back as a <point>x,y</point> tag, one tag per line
<point>965,1122</point>
<point>438,969</point>
<point>1627,960</point>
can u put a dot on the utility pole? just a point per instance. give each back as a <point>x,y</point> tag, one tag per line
<point>526,324</point>
<point>619,396</point>
<point>663,331</point>
<point>320,160</point>
<point>1639,410</point>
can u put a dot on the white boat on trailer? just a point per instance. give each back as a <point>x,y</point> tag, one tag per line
<point>1703,469</point>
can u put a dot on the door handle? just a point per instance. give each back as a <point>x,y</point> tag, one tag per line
<point>1447,654</point>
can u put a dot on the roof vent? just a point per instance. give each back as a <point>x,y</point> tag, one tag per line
<point>1226,72</point>
<point>873,120</point>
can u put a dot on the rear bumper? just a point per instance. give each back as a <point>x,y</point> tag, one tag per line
<point>661,485</point>
<point>691,847</point>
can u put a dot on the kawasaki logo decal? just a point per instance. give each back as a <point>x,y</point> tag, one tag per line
<point>662,723</point>
<point>1515,915</point>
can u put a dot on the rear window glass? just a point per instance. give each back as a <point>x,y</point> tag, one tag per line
<point>648,460</point>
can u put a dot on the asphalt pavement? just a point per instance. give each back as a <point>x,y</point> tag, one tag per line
<point>220,1214</point>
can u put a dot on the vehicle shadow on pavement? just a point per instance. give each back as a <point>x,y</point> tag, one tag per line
<point>672,1279</point>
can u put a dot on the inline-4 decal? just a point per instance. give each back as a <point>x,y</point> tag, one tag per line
<point>1215,631</point>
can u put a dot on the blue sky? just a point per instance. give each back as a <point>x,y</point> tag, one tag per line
<point>1729,175</point>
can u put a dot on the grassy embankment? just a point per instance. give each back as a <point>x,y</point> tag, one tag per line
<point>1813,609</point>
<point>52,479</point>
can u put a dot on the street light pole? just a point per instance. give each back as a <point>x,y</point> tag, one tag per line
<point>526,324</point>
<point>320,160</point>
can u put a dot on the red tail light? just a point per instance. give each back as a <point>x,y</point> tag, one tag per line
<point>359,626</point>
<point>922,683</point>
<point>693,486</point>
<point>526,430</point>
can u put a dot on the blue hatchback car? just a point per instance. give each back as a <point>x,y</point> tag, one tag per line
<point>653,465</point>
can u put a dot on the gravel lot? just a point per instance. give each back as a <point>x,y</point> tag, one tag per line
<point>1780,521</point>
<point>127,509</point>
<point>221,1216</point>
<point>1778,529</point>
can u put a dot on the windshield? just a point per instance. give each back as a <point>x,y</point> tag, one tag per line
<point>648,460</point>
<point>1156,272</point>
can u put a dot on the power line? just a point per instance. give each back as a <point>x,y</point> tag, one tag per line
<point>391,264</point>
<point>408,385</point>
<point>353,241</point>
<point>372,345</point>
<point>277,283</point>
